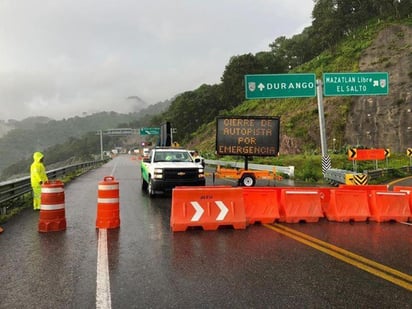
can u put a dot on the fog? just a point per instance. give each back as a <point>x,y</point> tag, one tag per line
<point>65,58</point>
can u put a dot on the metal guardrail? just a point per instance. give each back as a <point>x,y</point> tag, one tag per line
<point>288,170</point>
<point>337,176</point>
<point>17,187</point>
<point>383,172</point>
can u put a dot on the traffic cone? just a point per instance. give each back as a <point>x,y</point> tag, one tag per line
<point>108,204</point>
<point>52,215</point>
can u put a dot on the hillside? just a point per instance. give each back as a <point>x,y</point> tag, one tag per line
<point>385,121</point>
<point>21,142</point>
<point>5,127</point>
<point>24,137</point>
<point>25,124</point>
<point>371,121</point>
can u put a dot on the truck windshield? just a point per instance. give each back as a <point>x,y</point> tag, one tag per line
<point>172,156</point>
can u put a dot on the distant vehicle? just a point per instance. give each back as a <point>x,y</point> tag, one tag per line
<point>134,151</point>
<point>166,168</point>
<point>146,152</point>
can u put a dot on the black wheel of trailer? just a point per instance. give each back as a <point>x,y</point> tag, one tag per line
<point>247,180</point>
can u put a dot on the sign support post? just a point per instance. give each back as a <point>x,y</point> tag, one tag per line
<point>326,162</point>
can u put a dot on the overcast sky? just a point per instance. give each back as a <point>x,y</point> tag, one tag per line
<point>61,58</point>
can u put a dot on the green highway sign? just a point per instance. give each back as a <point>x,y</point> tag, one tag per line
<point>352,84</point>
<point>149,131</point>
<point>265,86</point>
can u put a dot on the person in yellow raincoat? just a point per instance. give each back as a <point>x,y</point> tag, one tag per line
<point>38,176</point>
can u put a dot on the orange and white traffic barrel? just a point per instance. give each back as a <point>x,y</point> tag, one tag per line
<point>52,207</point>
<point>108,204</point>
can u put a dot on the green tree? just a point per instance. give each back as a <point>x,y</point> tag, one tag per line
<point>291,53</point>
<point>233,83</point>
<point>190,110</point>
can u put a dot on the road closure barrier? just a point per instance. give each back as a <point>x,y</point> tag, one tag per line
<point>298,205</point>
<point>52,215</point>
<point>324,193</point>
<point>207,207</point>
<point>261,204</point>
<point>108,210</point>
<point>365,187</point>
<point>389,206</point>
<point>407,190</point>
<point>347,205</point>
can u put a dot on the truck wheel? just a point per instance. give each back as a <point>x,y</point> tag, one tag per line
<point>150,190</point>
<point>247,181</point>
<point>144,184</point>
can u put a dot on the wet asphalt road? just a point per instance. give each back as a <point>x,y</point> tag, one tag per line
<point>152,267</point>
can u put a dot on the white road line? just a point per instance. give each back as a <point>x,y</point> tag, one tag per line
<point>114,168</point>
<point>103,297</point>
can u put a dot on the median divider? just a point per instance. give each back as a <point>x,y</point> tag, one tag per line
<point>389,206</point>
<point>207,207</point>
<point>347,205</point>
<point>261,204</point>
<point>300,204</point>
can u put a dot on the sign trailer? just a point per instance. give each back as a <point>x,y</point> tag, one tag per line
<point>247,136</point>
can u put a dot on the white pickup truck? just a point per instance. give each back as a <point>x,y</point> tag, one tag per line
<point>166,168</point>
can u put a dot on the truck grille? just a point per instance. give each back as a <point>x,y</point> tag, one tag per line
<point>180,174</point>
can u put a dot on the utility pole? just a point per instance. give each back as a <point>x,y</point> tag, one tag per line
<point>101,145</point>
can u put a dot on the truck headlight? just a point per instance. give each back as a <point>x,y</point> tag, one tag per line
<point>158,173</point>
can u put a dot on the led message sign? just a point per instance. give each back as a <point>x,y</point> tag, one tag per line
<point>247,135</point>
